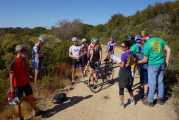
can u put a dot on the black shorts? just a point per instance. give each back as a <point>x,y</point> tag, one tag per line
<point>76,62</point>
<point>26,89</point>
<point>125,78</point>
<point>84,60</point>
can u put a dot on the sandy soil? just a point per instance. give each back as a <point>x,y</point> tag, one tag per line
<point>82,104</point>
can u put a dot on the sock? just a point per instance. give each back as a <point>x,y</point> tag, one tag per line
<point>73,81</point>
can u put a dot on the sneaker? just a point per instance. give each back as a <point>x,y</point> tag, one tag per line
<point>94,86</point>
<point>132,102</point>
<point>91,85</point>
<point>160,101</point>
<point>84,72</point>
<point>143,98</point>
<point>72,83</point>
<point>40,112</point>
<point>122,105</point>
<point>20,118</point>
<point>150,104</point>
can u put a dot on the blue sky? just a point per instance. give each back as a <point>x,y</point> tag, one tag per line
<point>46,13</point>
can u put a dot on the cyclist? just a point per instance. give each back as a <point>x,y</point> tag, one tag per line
<point>135,49</point>
<point>85,50</point>
<point>76,53</point>
<point>37,57</point>
<point>19,82</point>
<point>95,57</point>
<point>125,76</point>
<point>110,48</point>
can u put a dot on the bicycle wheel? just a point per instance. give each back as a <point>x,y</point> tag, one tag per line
<point>96,81</point>
<point>44,72</point>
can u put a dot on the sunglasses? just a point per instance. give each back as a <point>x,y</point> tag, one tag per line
<point>122,46</point>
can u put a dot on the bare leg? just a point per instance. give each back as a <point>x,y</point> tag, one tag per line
<point>73,73</point>
<point>82,74</point>
<point>36,77</point>
<point>146,88</point>
<point>131,95</point>
<point>18,109</point>
<point>32,102</point>
<point>121,97</point>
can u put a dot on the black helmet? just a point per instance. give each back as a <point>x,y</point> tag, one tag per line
<point>130,37</point>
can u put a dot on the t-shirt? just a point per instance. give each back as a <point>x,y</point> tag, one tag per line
<point>135,48</point>
<point>36,49</point>
<point>111,45</point>
<point>85,48</point>
<point>128,59</point>
<point>91,47</point>
<point>76,50</point>
<point>96,55</point>
<point>154,49</point>
<point>19,67</point>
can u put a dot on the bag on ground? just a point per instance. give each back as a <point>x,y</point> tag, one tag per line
<point>59,97</point>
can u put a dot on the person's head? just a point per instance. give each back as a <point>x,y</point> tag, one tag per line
<point>83,41</point>
<point>112,39</point>
<point>41,41</point>
<point>137,39</point>
<point>131,38</point>
<point>125,45</point>
<point>21,50</point>
<point>74,40</point>
<point>95,40</point>
<point>144,35</point>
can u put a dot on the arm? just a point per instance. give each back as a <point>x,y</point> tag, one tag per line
<point>121,64</point>
<point>70,55</point>
<point>91,57</point>
<point>168,55</point>
<point>11,82</point>
<point>39,55</point>
<point>107,48</point>
<point>144,60</point>
<point>100,53</point>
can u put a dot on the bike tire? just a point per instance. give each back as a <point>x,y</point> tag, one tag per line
<point>99,81</point>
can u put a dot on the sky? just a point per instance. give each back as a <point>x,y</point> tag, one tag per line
<point>46,13</point>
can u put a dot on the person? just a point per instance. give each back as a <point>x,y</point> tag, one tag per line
<point>143,72</point>
<point>154,54</point>
<point>110,47</point>
<point>95,57</point>
<point>19,81</point>
<point>85,51</point>
<point>125,76</point>
<point>76,53</point>
<point>135,49</point>
<point>37,58</point>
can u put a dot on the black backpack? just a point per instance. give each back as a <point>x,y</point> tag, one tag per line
<point>59,97</point>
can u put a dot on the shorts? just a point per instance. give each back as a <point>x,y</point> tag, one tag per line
<point>110,50</point>
<point>125,78</point>
<point>37,66</point>
<point>84,60</point>
<point>143,76</point>
<point>76,62</point>
<point>26,89</point>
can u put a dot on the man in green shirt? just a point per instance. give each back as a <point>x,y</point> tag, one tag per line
<point>154,55</point>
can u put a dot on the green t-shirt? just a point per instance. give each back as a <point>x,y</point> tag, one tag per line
<point>135,48</point>
<point>154,49</point>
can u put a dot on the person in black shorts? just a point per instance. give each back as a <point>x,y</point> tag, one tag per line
<point>19,81</point>
<point>95,57</point>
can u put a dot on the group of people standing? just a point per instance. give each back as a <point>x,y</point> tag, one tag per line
<point>144,51</point>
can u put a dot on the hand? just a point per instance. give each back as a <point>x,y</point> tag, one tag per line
<point>166,64</point>
<point>11,95</point>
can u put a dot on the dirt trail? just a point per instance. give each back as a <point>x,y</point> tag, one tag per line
<point>82,104</point>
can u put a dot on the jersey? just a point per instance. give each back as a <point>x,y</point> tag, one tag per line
<point>128,59</point>
<point>96,55</point>
<point>91,47</point>
<point>36,49</point>
<point>76,50</point>
<point>111,45</point>
<point>154,49</point>
<point>135,48</point>
<point>85,48</point>
<point>19,67</point>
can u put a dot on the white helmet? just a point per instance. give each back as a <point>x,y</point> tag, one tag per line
<point>95,40</point>
<point>14,101</point>
<point>83,40</point>
<point>74,39</point>
<point>42,39</point>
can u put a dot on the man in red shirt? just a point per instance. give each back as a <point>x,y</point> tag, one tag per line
<point>19,81</point>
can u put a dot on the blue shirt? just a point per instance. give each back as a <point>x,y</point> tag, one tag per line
<point>36,49</point>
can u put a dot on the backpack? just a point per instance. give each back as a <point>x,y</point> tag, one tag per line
<point>59,97</point>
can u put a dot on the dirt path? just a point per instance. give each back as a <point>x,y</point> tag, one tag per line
<point>82,104</point>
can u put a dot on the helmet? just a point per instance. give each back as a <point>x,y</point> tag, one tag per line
<point>14,101</point>
<point>95,40</point>
<point>111,38</point>
<point>137,39</point>
<point>130,37</point>
<point>74,39</point>
<point>42,39</point>
<point>83,40</point>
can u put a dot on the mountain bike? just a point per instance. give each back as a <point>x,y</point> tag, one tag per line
<point>101,73</point>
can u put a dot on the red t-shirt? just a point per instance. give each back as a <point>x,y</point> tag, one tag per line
<point>19,67</point>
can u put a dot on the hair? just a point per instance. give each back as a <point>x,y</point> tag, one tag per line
<point>144,33</point>
<point>20,47</point>
<point>97,46</point>
<point>127,43</point>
